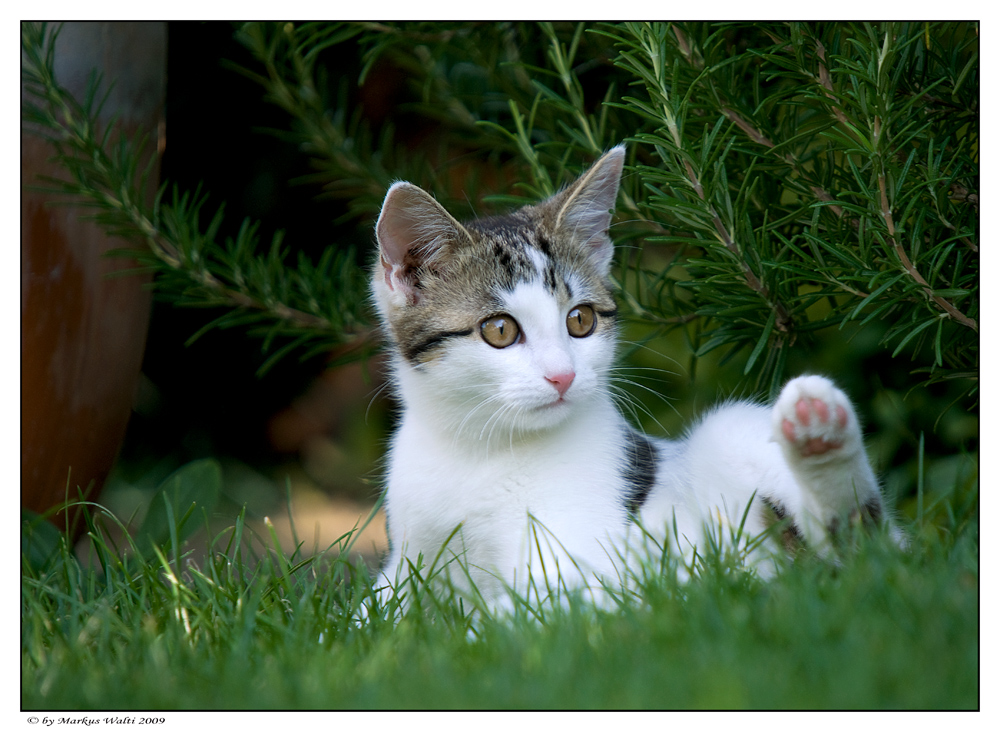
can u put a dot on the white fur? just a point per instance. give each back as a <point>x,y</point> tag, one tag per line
<point>534,486</point>
<point>554,482</point>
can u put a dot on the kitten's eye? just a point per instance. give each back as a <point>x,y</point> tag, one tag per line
<point>499,331</point>
<point>581,321</point>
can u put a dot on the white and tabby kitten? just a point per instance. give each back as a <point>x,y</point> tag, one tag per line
<point>511,455</point>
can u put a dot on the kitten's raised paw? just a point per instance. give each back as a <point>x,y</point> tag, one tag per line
<point>812,417</point>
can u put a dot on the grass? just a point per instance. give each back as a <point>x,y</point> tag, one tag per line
<point>228,628</point>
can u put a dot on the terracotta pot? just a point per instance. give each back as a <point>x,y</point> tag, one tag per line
<point>82,333</point>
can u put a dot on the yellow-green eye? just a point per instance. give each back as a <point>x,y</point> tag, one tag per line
<point>499,331</point>
<point>581,321</point>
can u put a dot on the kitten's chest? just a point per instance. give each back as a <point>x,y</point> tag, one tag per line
<point>568,482</point>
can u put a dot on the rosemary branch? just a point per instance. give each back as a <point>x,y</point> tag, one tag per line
<point>904,259</point>
<point>108,183</point>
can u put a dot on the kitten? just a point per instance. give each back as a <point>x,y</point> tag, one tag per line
<point>511,455</point>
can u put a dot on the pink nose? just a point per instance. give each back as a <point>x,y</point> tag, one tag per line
<point>561,381</point>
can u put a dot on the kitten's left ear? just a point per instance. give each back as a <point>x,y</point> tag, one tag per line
<point>585,214</point>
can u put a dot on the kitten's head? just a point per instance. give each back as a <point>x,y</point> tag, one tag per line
<point>506,324</point>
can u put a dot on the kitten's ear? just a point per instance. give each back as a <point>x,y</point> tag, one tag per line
<point>585,214</point>
<point>413,231</point>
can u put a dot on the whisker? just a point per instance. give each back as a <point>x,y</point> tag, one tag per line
<point>623,397</point>
<point>496,420</point>
<point>385,386</point>
<point>626,372</point>
<point>622,380</point>
<point>630,367</point>
<point>490,400</point>
<point>661,354</point>
<point>624,400</point>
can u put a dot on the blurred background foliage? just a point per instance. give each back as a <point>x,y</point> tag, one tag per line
<point>798,197</point>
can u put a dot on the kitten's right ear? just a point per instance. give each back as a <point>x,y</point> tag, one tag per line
<point>413,232</point>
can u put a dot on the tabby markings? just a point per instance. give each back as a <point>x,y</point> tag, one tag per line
<point>413,354</point>
<point>791,535</point>
<point>639,469</point>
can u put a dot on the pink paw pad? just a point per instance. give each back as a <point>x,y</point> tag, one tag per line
<point>805,410</point>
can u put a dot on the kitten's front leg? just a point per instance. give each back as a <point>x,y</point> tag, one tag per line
<point>817,428</point>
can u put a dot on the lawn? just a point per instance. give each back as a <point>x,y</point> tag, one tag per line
<point>226,627</point>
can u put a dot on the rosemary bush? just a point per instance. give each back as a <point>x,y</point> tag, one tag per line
<point>792,176</point>
<point>789,184</point>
